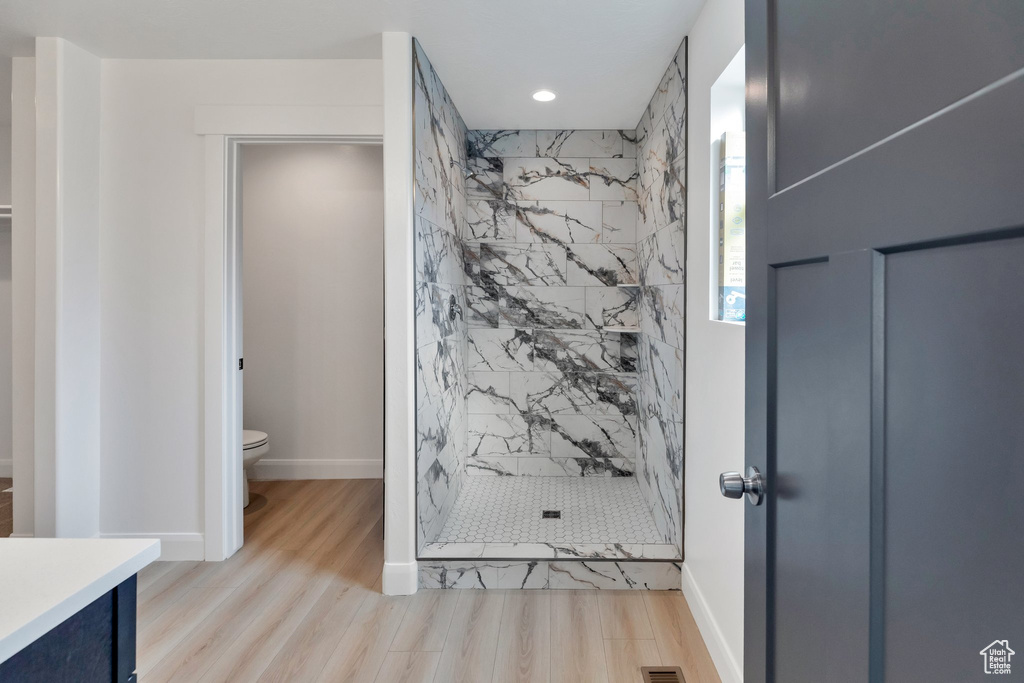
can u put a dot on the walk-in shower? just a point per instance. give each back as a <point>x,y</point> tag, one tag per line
<point>550,293</point>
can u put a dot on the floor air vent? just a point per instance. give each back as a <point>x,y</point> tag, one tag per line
<point>551,514</point>
<point>662,674</point>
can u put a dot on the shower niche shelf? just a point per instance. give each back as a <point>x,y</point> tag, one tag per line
<point>623,330</point>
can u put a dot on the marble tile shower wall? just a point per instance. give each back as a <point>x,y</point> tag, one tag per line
<point>549,237</point>
<point>441,375</point>
<point>661,248</point>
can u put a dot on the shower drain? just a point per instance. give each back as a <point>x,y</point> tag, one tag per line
<point>551,514</point>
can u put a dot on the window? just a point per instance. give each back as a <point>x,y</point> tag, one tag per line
<point>728,190</point>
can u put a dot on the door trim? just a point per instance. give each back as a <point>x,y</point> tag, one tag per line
<point>222,405</point>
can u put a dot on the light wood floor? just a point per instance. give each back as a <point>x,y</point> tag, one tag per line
<point>301,602</point>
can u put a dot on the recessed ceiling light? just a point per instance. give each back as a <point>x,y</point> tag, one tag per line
<point>544,95</point>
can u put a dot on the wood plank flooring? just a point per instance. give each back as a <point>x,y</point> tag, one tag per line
<point>301,601</point>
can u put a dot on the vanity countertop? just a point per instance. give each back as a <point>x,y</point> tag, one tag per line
<point>43,581</point>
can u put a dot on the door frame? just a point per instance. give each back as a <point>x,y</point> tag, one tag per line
<point>226,129</point>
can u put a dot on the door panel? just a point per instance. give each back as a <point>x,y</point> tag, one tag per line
<point>954,377</point>
<point>935,181</point>
<point>852,73</point>
<point>884,381</point>
<point>801,475</point>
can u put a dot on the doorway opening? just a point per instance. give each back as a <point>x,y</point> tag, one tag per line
<point>299,357</point>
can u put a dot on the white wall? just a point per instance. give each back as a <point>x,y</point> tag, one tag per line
<point>6,86</point>
<point>6,436</point>
<point>152,216</point>
<point>313,301</point>
<point>23,288</point>
<point>713,571</point>
<point>400,568</point>
<point>5,160</point>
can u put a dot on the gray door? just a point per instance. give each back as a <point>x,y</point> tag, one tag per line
<point>885,373</point>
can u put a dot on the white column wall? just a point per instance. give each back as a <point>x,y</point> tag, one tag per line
<point>67,305</point>
<point>400,575</point>
<point>23,288</point>
<point>713,571</point>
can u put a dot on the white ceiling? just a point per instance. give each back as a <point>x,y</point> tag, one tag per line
<point>603,57</point>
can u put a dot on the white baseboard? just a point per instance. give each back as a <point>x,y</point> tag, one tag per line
<point>22,536</point>
<point>173,547</point>
<point>283,468</point>
<point>6,468</point>
<point>400,578</point>
<point>725,660</point>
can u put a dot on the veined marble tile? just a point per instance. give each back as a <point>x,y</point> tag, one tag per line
<point>452,550</point>
<point>430,302</point>
<point>517,550</point>
<point>523,575</point>
<point>551,574</point>
<point>630,143</point>
<point>625,551</point>
<point>553,392</point>
<point>661,446</point>
<point>492,466</point>
<point>600,265</point>
<point>579,143</point>
<point>592,436</point>
<point>438,254</point>
<point>521,264</point>
<point>440,426</point>
<point>619,222</point>
<point>438,100</point>
<point>502,143</point>
<point>575,467</point>
<point>490,220</point>
<point>645,224</point>
<point>508,435</point>
<point>612,306</point>
<point>662,257</point>
<point>549,178</point>
<point>559,222</point>
<point>616,394</point>
<point>577,350</point>
<point>662,369</point>
<point>615,575</point>
<point>440,366</point>
<point>487,178</point>
<point>481,309</point>
<point>542,307</point>
<point>672,88</point>
<point>436,493</point>
<point>662,313</point>
<point>500,349</point>
<point>458,575</point>
<point>613,179</point>
<point>489,393</point>
<point>664,148</point>
<point>666,202</point>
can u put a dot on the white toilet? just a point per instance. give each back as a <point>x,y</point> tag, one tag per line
<point>254,446</point>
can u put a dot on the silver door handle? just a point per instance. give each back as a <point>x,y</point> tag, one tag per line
<point>734,485</point>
